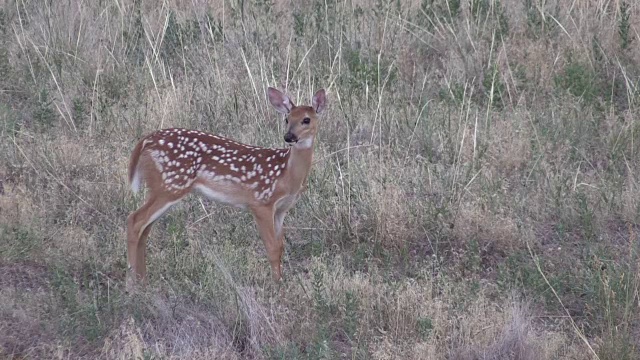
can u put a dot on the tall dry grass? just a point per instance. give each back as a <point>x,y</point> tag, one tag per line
<point>473,193</point>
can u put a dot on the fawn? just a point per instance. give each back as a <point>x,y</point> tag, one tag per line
<point>174,162</point>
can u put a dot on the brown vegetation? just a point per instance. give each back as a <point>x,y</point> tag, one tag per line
<point>473,195</point>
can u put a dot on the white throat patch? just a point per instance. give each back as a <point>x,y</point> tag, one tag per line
<point>304,144</point>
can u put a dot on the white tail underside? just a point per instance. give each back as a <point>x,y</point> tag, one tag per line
<point>136,181</point>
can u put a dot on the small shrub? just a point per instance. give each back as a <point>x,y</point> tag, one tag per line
<point>351,314</point>
<point>298,24</point>
<point>177,37</point>
<point>284,352</point>
<point>480,8</point>
<point>609,284</point>
<point>79,315</point>
<point>494,87</point>
<point>3,22</point>
<point>424,326</point>
<point>578,80</point>
<point>492,11</point>
<point>446,11</point>
<point>79,111</point>
<point>133,37</point>
<point>9,123</point>
<point>454,94</point>
<point>44,114</point>
<point>19,242</point>
<point>537,24</point>
<point>215,28</point>
<point>587,217</point>
<point>624,26</point>
<point>320,301</point>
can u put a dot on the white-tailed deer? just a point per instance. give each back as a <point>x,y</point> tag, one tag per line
<point>174,162</point>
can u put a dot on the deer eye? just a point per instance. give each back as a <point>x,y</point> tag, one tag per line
<point>286,120</point>
<point>306,120</point>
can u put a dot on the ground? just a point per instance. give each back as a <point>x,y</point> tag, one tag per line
<point>473,193</point>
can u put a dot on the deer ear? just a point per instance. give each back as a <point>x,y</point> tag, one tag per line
<point>319,101</point>
<point>281,102</point>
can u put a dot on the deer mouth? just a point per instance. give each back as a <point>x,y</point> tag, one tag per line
<point>290,138</point>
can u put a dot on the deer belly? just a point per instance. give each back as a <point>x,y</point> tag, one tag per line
<point>223,194</point>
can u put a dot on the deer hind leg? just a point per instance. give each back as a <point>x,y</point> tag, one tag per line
<point>133,235</point>
<point>141,253</point>
<point>274,245</point>
<point>138,227</point>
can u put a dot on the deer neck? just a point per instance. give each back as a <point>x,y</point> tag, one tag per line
<point>299,163</point>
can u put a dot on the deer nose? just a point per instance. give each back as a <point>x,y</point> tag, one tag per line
<point>289,137</point>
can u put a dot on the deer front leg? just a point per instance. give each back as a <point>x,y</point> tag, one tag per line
<point>278,223</point>
<point>264,217</point>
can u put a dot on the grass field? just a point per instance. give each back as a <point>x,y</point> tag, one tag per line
<point>473,196</point>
